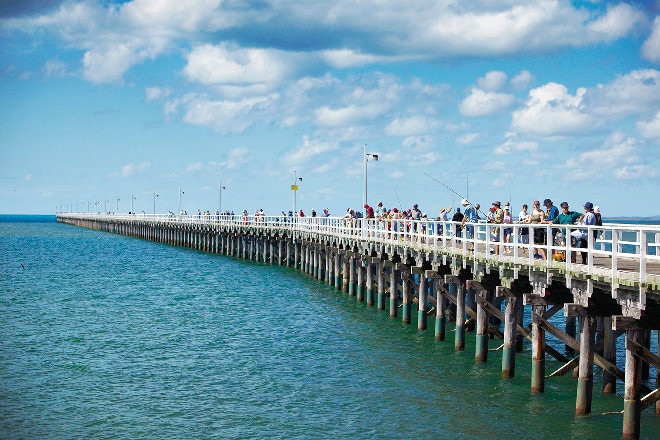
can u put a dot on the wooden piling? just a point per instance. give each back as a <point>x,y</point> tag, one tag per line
<point>586,367</point>
<point>370,282</point>
<point>405,294</point>
<point>632,406</point>
<point>510,332</point>
<point>538,350</point>
<point>481,337</point>
<point>421,303</point>
<point>380,274</point>
<point>394,304</point>
<point>360,279</point>
<point>609,353</point>
<point>440,310</point>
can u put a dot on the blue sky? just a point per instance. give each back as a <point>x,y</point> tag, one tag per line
<point>508,100</point>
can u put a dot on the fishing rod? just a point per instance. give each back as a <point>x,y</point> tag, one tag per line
<point>450,189</point>
<point>398,199</point>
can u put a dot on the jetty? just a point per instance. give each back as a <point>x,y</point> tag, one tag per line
<point>442,272</point>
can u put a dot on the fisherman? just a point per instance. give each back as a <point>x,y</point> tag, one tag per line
<point>471,216</point>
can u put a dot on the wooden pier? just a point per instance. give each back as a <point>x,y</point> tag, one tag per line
<point>433,268</point>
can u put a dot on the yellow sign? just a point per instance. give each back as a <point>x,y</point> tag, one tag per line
<point>294,187</point>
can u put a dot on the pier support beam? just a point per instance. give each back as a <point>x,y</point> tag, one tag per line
<point>421,301</point>
<point>510,331</point>
<point>457,288</point>
<point>538,350</point>
<point>609,353</point>
<point>338,266</point>
<point>585,383</point>
<point>380,273</point>
<point>481,298</point>
<point>359,267</point>
<point>394,303</point>
<point>440,309</point>
<point>351,276</point>
<point>632,405</point>
<point>370,282</point>
<point>405,293</point>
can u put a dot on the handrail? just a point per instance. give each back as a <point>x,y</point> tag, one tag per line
<point>614,245</point>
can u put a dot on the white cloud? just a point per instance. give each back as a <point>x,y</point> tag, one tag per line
<point>492,81</point>
<point>156,93</point>
<point>617,22</point>
<point>55,69</point>
<point>259,69</point>
<point>195,167</point>
<point>467,139</point>
<point>551,110</point>
<point>131,169</point>
<point>651,47</point>
<point>512,146</point>
<point>632,93</point>
<point>617,157</point>
<point>349,114</point>
<point>235,158</point>
<point>307,150</point>
<point>224,116</point>
<point>482,103</point>
<point>346,58</point>
<point>650,129</point>
<point>116,37</point>
<point>523,80</point>
<point>411,126</point>
<point>639,171</point>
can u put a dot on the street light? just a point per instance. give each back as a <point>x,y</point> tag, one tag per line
<point>366,159</point>
<point>155,195</point>
<point>294,188</point>
<point>180,194</point>
<point>117,211</point>
<point>220,189</point>
<point>132,198</point>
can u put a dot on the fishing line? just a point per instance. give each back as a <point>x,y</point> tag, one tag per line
<point>450,189</point>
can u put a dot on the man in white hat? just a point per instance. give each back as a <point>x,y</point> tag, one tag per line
<point>471,215</point>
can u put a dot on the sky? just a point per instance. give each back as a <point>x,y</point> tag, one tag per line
<point>150,105</point>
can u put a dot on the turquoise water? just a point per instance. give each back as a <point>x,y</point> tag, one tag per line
<point>104,336</point>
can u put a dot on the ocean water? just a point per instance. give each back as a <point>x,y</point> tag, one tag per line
<point>105,337</point>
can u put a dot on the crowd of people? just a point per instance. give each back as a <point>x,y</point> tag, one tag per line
<point>465,221</point>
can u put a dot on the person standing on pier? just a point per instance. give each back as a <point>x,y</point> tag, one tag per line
<point>458,217</point>
<point>522,218</point>
<point>551,213</point>
<point>498,217</point>
<point>539,236</point>
<point>380,210</point>
<point>588,219</point>
<point>471,216</point>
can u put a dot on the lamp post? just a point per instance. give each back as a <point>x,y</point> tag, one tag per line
<point>132,198</point>
<point>294,188</point>
<point>117,211</point>
<point>220,189</point>
<point>180,194</point>
<point>366,159</point>
<point>155,195</point>
<point>105,210</point>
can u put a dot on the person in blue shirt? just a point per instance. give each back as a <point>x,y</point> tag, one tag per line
<point>588,219</point>
<point>471,215</point>
<point>551,213</point>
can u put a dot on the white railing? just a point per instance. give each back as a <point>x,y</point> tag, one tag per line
<point>620,252</point>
